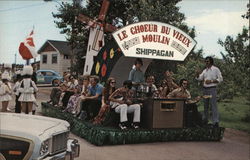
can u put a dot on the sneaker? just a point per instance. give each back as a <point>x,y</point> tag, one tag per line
<point>135,125</point>
<point>122,126</point>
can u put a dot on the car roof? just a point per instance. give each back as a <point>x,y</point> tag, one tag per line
<point>46,70</point>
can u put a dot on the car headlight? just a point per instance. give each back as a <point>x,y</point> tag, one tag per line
<point>44,147</point>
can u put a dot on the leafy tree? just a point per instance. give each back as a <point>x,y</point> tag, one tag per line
<point>65,20</point>
<point>120,13</point>
<point>238,60</point>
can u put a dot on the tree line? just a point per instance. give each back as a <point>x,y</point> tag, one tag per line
<point>235,64</point>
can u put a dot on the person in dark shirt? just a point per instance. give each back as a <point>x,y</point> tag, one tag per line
<point>33,77</point>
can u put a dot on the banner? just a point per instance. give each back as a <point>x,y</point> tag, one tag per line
<point>154,40</point>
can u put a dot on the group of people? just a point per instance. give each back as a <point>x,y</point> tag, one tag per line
<point>24,89</point>
<point>86,98</point>
<point>89,100</point>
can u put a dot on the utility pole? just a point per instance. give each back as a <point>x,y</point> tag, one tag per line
<point>15,58</point>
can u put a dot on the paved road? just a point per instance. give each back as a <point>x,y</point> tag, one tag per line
<point>234,146</point>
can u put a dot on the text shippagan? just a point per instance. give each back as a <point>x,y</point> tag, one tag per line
<point>154,52</point>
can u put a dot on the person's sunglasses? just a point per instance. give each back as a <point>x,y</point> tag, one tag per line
<point>113,82</point>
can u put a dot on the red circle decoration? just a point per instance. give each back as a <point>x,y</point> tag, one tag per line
<point>104,56</point>
<point>104,70</point>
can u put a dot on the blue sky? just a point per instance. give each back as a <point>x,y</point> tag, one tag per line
<point>212,19</point>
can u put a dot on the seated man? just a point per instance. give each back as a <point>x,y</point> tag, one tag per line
<point>56,93</point>
<point>190,105</point>
<point>91,103</point>
<point>121,102</point>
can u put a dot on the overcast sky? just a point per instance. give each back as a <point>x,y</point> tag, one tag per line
<point>212,19</point>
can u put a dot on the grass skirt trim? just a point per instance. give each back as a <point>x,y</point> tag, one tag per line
<point>100,135</point>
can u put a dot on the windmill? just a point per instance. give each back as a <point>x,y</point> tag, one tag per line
<point>96,36</point>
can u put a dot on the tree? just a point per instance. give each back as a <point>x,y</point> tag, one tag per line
<point>238,60</point>
<point>121,13</point>
<point>73,30</point>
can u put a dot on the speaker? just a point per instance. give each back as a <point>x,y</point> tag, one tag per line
<point>162,113</point>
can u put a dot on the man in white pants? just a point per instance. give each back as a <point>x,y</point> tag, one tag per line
<point>121,101</point>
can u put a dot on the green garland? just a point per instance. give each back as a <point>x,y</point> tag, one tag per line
<point>100,135</point>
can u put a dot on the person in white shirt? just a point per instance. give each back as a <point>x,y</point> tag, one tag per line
<point>27,89</point>
<point>211,77</point>
<point>7,70</point>
<point>5,91</point>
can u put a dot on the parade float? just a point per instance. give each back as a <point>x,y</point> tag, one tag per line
<point>162,119</point>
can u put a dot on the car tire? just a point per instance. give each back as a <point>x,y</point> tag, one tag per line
<point>55,83</point>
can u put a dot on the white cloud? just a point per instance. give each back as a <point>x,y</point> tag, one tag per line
<point>218,22</point>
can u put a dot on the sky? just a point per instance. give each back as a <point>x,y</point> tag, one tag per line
<point>212,19</point>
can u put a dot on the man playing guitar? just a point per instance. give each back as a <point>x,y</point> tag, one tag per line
<point>190,105</point>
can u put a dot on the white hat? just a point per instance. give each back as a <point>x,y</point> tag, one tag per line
<point>7,65</point>
<point>27,70</point>
<point>6,75</point>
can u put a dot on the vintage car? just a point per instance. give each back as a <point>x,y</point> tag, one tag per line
<point>30,137</point>
<point>48,77</point>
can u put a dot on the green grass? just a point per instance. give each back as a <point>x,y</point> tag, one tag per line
<point>232,112</point>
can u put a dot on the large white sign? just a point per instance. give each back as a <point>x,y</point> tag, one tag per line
<point>154,40</point>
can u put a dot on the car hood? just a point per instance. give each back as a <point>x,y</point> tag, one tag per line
<point>31,125</point>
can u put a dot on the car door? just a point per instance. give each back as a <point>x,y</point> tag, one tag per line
<point>49,77</point>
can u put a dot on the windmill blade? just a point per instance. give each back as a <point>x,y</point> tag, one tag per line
<point>84,19</point>
<point>109,28</point>
<point>104,10</point>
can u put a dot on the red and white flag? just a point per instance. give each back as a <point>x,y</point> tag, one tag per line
<point>27,48</point>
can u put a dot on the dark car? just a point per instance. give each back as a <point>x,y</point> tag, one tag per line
<point>48,77</point>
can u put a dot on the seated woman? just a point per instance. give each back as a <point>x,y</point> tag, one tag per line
<point>168,85</point>
<point>71,84</point>
<point>85,85</point>
<point>73,100</point>
<point>107,91</point>
<point>122,102</point>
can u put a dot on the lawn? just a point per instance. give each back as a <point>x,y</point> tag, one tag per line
<point>232,112</point>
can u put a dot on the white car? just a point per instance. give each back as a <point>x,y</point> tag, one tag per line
<point>30,137</point>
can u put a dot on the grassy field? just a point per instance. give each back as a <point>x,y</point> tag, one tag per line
<point>232,112</point>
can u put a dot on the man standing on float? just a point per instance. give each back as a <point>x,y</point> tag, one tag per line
<point>136,75</point>
<point>211,77</point>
